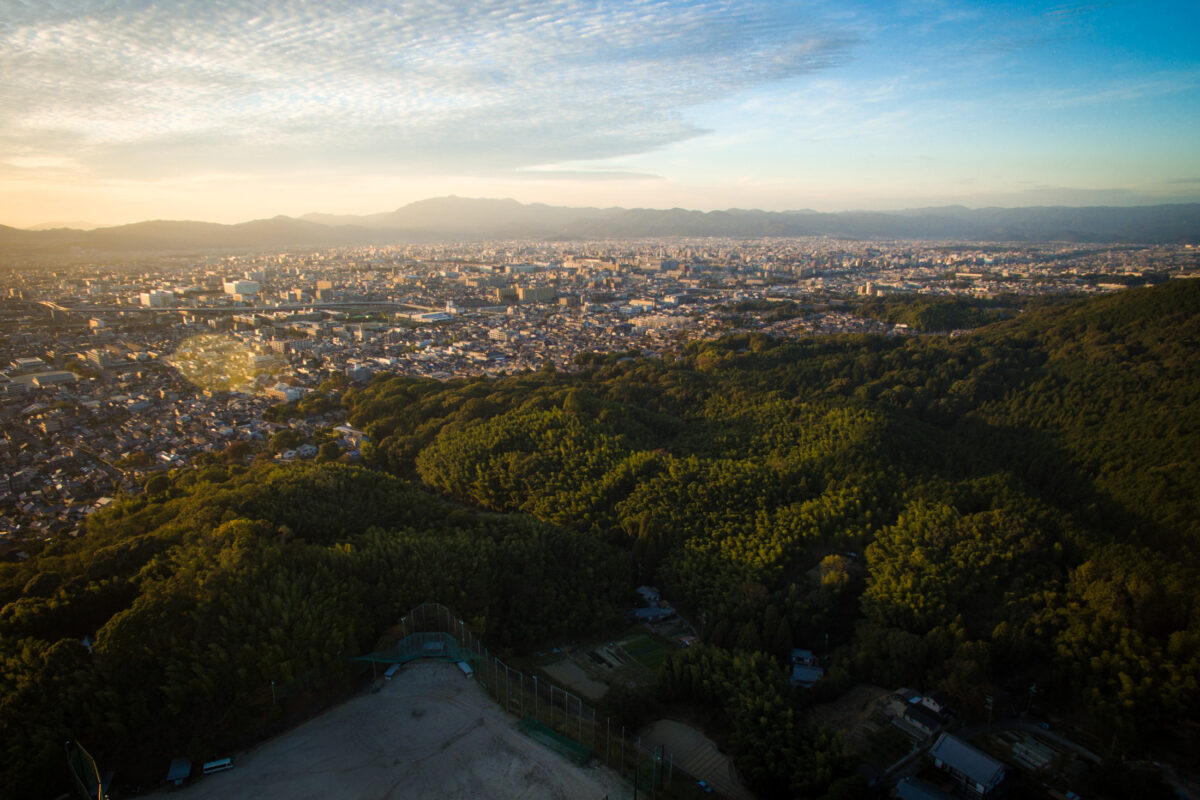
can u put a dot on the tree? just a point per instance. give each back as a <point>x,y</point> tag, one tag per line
<point>286,439</point>
<point>781,643</point>
<point>237,452</point>
<point>157,483</point>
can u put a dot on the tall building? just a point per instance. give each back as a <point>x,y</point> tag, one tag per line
<point>155,299</point>
<point>244,288</point>
<point>535,294</point>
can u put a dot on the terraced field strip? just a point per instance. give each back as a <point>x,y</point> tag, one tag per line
<point>645,650</point>
<point>697,755</point>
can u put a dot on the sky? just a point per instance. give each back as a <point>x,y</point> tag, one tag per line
<point>114,111</point>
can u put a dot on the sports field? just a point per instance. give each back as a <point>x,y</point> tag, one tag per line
<point>430,733</point>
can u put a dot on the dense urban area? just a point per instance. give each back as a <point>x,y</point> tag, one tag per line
<point>119,369</point>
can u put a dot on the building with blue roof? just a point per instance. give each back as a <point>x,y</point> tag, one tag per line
<point>978,774</point>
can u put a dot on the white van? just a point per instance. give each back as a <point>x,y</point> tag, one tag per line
<point>220,765</point>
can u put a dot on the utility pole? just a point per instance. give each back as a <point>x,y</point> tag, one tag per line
<point>658,770</point>
<point>623,749</point>
<point>988,702</point>
<point>608,741</point>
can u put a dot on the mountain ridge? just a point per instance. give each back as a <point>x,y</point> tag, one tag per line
<point>453,218</point>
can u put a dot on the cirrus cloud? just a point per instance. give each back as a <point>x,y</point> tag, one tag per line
<point>145,89</point>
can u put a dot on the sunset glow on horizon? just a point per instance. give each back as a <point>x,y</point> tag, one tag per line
<point>113,112</point>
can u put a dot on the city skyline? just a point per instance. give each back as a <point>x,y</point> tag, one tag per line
<point>113,112</point>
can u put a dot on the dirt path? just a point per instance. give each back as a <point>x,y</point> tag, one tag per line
<point>430,733</point>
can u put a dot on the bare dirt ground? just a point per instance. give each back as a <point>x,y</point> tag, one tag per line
<point>570,674</point>
<point>856,715</point>
<point>856,706</point>
<point>430,733</point>
<point>696,753</point>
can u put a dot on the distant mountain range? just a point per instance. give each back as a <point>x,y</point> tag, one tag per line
<point>463,219</point>
<point>75,224</point>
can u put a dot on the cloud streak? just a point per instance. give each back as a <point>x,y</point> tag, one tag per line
<point>146,89</point>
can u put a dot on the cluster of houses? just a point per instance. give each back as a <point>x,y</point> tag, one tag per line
<point>919,715</point>
<point>974,773</point>
<point>924,717</point>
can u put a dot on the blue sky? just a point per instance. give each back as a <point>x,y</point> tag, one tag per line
<point>118,110</point>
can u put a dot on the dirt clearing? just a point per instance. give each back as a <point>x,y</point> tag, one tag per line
<point>430,733</point>
<point>570,674</point>
<point>856,706</point>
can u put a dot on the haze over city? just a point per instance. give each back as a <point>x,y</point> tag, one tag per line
<point>114,112</point>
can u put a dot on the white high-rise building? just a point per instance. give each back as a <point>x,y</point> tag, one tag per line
<point>245,288</point>
<point>154,299</point>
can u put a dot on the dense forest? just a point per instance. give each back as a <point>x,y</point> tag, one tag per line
<point>978,513</point>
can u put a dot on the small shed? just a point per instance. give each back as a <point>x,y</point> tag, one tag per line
<point>179,771</point>
<point>805,677</point>
<point>922,719</point>
<point>649,594</point>
<point>804,658</point>
<point>937,702</point>
<point>806,668</point>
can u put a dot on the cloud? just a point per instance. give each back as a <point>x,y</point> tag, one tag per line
<point>585,175</point>
<point>1118,91</point>
<point>147,89</point>
<point>37,162</point>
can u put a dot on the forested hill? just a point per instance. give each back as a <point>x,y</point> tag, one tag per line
<point>234,588</point>
<point>975,514</point>
<point>1022,499</point>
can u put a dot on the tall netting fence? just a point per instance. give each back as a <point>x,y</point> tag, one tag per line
<point>85,776</point>
<point>548,713</point>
